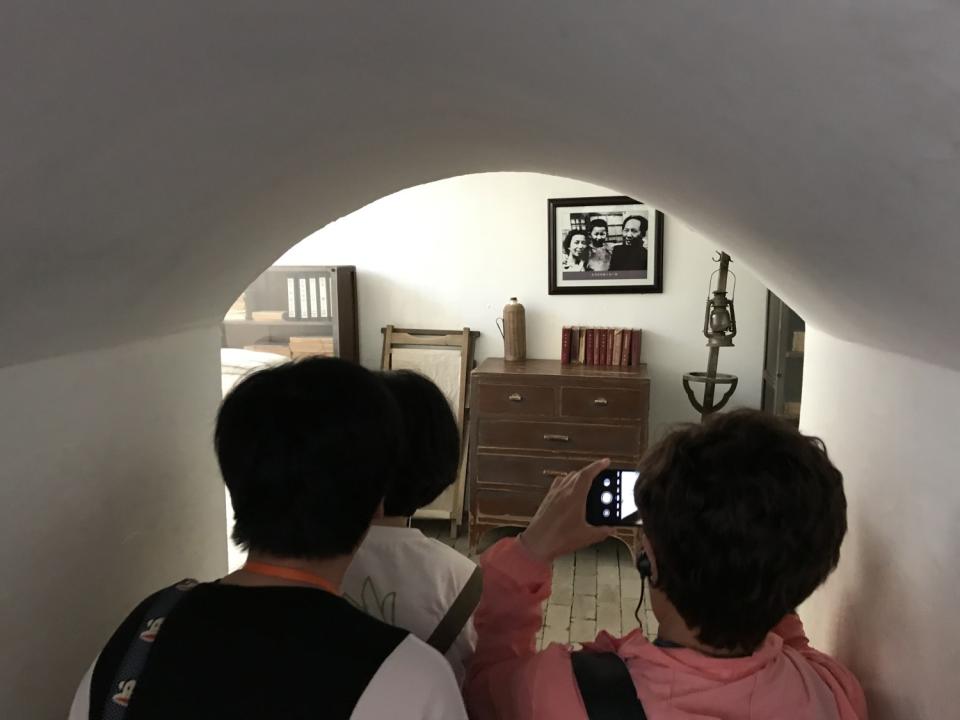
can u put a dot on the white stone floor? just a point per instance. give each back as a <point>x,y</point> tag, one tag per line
<point>594,589</point>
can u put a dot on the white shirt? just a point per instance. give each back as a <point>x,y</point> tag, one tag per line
<point>413,683</point>
<point>406,579</point>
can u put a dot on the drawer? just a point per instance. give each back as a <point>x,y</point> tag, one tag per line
<point>523,471</point>
<point>604,402</point>
<point>516,399</point>
<point>507,502</point>
<point>597,440</point>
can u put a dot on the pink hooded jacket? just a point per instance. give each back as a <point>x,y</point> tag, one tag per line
<point>785,679</point>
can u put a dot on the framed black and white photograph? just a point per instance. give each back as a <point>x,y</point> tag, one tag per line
<point>604,245</point>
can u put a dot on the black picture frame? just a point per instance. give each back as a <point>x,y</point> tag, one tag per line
<point>563,275</point>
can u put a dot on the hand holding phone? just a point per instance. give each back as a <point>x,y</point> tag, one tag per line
<point>559,527</point>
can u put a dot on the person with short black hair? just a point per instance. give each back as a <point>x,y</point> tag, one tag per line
<point>743,519</point>
<point>398,574</point>
<point>307,450</point>
<point>598,231</point>
<point>632,254</point>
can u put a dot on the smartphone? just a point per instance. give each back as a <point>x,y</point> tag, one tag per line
<point>610,501</point>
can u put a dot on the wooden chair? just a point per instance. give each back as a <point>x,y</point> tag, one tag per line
<point>423,351</point>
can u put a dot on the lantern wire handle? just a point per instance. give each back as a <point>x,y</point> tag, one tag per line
<point>733,291</point>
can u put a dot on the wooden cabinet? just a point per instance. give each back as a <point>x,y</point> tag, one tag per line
<point>537,419</point>
<point>314,305</point>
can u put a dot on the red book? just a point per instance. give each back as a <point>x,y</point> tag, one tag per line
<point>625,348</point>
<point>590,340</point>
<point>574,344</point>
<point>617,347</point>
<point>611,339</point>
<point>602,359</point>
<point>596,346</point>
<point>635,348</point>
<point>565,346</point>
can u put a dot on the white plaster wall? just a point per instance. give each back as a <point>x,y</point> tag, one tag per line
<point>108,490</point>
<point>451,253</point>
<point>892,425</point>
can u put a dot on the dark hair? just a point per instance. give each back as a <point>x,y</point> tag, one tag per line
<point>569,236</point>
<point>644,223</point>
<point>430,454</point>
<point>745,516</point>
<point>307,450</point>
<point>595,223</point>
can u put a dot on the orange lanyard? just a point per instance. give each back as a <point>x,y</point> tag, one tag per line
<point>285,573</point>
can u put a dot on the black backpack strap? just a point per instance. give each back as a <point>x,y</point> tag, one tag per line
<point>135,658</point>
<point>457,615</point>
<point>606,686</point>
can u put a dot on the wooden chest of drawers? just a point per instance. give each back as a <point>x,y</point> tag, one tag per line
<point>537,419</point>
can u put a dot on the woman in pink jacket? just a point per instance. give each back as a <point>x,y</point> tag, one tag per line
<point>743,519</point>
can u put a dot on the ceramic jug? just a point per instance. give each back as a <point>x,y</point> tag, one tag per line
<point>513,329</point>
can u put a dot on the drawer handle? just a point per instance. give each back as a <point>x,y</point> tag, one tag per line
<point>515,397</point>
<point>601,402</point>
<point>557,438</point>
<point>554,473</point>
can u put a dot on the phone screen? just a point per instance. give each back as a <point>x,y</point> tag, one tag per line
<point>611,500</point>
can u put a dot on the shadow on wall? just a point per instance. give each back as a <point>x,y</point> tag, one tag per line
<point>867,604</point>
<point>879,601</point>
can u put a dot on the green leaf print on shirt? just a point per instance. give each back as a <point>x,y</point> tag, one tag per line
<point>371,603</point>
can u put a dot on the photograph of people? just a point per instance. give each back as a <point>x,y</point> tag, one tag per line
<point>603,245</point>
<point>577,253</point>
<point>600,253</point>
<point>632,254</point>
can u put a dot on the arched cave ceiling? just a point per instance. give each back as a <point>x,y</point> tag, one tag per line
<point>154,158</point>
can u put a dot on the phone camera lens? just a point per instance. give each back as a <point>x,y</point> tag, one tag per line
<point>606,482</point>
<point>606,497</point>
<point>606,512</point>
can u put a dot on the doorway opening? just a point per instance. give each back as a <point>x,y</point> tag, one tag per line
<point>450,254</point>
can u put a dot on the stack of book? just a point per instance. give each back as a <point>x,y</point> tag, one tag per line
<point>268,347</point>
<point>311,345</point>
<point>612,347</point>
<point>268,315</point>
